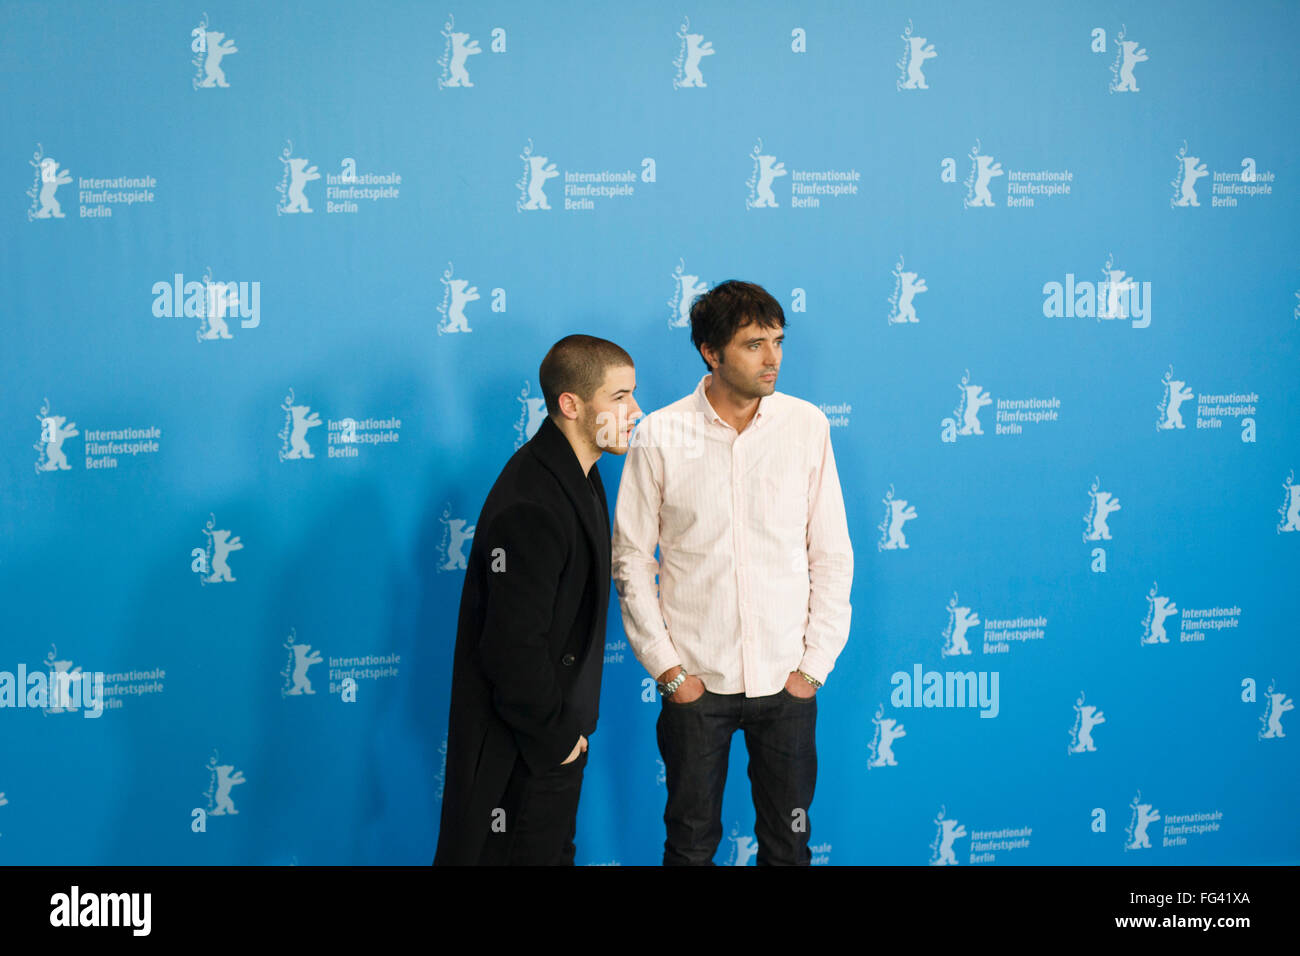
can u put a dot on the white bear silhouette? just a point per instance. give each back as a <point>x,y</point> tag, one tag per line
<point>1178,393</point>
<point>462,293</point>
<point>222,545</point>
<point>61,684</point>
<point>768,170</point>
<point>1132,56</point>
<point>218,47</point>
<point>460,533</point>
<point>55,459</point>
<point>1161,610</point>
<point>462,47</point>
<point>985,170</point>
<point>536,414</point>
<point>51,179</point>
<point>1280,704</point>
<point>963,619</point>
<point>1145,816</point>
<point>301,661</point>
<point>918,53</point>
<point>1292,522</point>
<point>890,730</point>
<point>696,47</point>
<point>1118,289</point>
<point>746,849</point>
<point>222,298</point>
<point>538,173</point>
<point>303,419</point>
<point>690,287</point>
<point>899,513</point>
<point>1089,717</point>
<point>909,287</point>
<point>1191,173</point>
<point>976,398</point>
<point>299,176</point>
<point>952,830</point>
<point>226,780</point>
<point>1105,504</point>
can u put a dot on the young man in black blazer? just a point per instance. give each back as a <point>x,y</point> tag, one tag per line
<point>530,641</point>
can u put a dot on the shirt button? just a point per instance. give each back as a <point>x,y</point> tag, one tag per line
<point>568,660</point>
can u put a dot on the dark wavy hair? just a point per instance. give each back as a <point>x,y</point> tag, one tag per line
<point>728,306</point>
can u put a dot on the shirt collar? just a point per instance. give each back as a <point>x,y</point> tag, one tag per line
<point>703,405</point>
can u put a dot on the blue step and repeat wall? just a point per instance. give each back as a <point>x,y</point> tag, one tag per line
<point>277,279</point>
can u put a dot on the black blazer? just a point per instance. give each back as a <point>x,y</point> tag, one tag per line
<point>530,641</point>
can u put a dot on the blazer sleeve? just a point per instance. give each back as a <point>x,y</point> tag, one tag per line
<point>524,560</point>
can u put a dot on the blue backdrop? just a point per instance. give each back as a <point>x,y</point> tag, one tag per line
<point>278,281</point>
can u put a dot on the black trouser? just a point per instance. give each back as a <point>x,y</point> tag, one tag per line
<point>695,741</point>
<point>538,818</point>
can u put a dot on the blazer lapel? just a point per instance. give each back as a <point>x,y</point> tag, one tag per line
<point>603,553</point>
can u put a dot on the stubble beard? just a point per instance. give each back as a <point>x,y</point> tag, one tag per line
<point>591,429</point>
<point>747,389</point>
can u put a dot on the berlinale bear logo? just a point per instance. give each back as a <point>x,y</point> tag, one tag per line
<point>1190,169</point>
<point>941,850</point>
<point>907,286</point>
<point>764,170</point>
<point>1104,504</point>
<point>983,170</point>
<point>55,430</point>
<point>915,52</point>
<point>1086,717</point>
<point>692,48</point>
<point>212,47</point>
<point>686,289</point>
<point>1169,414</point>
<point>537,170</point>
<point>458,47</point>
<point>49,177</point>
<point>222,778</point>
<point>1144,814</point>
<point>897,513</point>
<point>882,742</point>
<point>960,620</point>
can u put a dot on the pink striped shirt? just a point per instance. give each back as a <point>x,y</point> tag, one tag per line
<point>755,564</point>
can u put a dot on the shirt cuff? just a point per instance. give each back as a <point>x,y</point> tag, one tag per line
<point>661,661</point>
<point>814,667</point>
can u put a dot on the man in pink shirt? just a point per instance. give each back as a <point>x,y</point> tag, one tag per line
<point>736,486</point>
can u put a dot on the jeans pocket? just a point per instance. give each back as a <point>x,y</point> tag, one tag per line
<point>690,703</point>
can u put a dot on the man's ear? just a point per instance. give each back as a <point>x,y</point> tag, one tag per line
<point>568,405</point>
<point>710,355</point>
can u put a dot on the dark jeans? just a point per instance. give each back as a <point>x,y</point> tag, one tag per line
<point>695,741</point>
<point>540,817</point>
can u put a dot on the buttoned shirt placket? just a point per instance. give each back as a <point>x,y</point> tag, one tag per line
<point>738,550</point>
